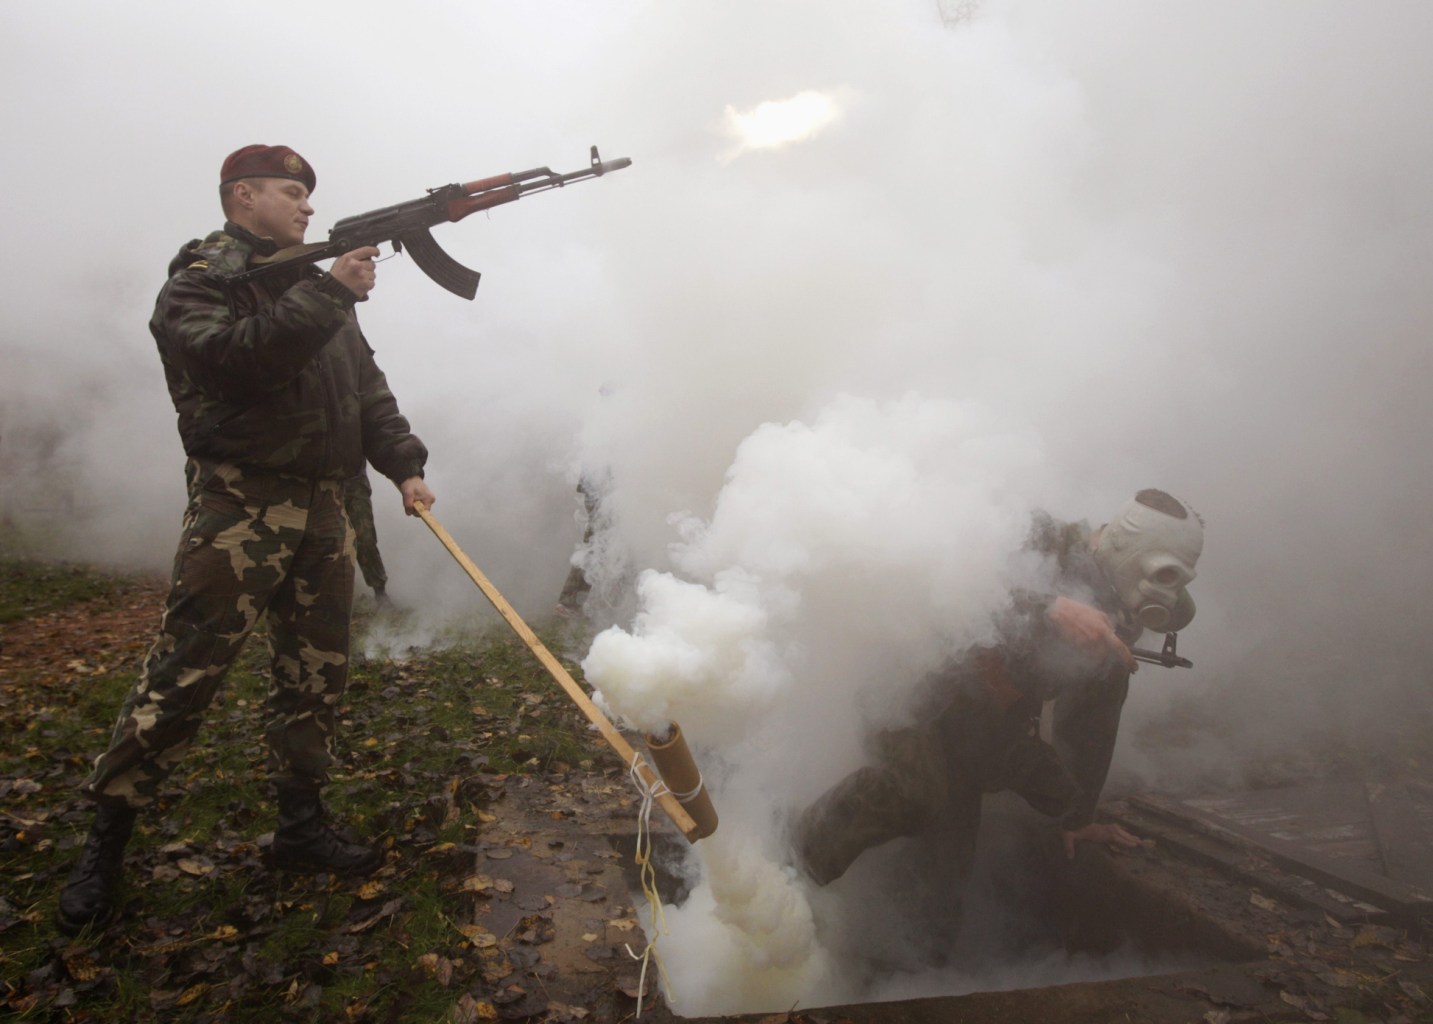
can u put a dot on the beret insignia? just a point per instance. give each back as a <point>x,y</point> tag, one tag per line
<point>259,161</point>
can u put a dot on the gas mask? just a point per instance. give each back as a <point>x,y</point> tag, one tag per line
<point>1147,553</point>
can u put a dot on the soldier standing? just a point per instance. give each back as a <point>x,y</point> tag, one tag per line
<point>279,402</point>
<point>358,503</point>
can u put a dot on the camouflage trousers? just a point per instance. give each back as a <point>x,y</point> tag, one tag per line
<point>358,503</point>
<point>907,791</point>
<point>253,544</point>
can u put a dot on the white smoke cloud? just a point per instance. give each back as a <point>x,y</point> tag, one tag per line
<point>882,527</point>
<point>844,560</point>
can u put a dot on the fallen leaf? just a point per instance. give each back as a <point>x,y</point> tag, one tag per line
<point>440,967</point>
<point>1263,902</point>
<point>510,994</point>
<point>478,936</point>
<point>470,1010</point>
<point>1375,935</point>
<point>536,930</point>
<point>387,910</point>
<point>82,968</point>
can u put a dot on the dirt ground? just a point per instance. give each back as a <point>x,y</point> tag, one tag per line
<point>550,914</point>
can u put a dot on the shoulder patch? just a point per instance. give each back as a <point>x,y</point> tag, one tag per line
<point>198,265</point>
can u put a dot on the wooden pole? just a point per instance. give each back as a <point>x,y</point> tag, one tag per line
<point>615,740</point>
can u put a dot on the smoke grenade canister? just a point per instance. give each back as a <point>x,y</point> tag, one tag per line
<point>674,763</point>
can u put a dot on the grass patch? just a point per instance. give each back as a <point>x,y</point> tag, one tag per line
<point>208,931</point>
<point>29,587</point>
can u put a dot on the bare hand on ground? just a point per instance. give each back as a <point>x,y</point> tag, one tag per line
<point>1111,835</point>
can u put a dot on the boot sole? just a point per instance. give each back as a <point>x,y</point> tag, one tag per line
<point>70,927</point>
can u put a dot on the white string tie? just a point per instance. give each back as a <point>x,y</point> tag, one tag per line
<point>648,875</point>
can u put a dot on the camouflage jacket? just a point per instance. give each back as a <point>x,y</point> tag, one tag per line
<point>994,745</point>
<point>274,375</point>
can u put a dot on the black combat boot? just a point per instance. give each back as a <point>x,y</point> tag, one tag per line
<point>88,897</point>
<point>304,843</point>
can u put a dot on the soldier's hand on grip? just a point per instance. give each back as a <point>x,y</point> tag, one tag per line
<point>354,270</point>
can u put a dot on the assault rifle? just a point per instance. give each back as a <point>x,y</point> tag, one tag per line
<point>406,224</point>
<point>1166,656</point>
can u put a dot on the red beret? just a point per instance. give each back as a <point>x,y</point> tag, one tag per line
<point>266,162</point>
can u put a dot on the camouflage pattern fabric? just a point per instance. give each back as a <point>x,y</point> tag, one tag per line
<point>358,503</point>
<point>898,795</point>
<point>275,374</point>
<point>981,737</point>
<point>253,545</point>
<point>279,402</point>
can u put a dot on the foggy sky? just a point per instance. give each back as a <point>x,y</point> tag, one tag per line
<point>1182,245</point>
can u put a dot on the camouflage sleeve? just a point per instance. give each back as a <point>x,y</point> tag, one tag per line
<point>1087,722</point>
<point>388,441</point>
<point>1036,773</point>
<point>241,360</point>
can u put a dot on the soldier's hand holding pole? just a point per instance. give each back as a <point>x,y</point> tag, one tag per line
<point>416,495</point>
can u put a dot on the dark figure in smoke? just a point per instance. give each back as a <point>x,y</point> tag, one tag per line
<point>576,588</point>
<point>591,486</point>
<point>358,504</point>
<point>1069,645</point>
<point>279,402</point>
